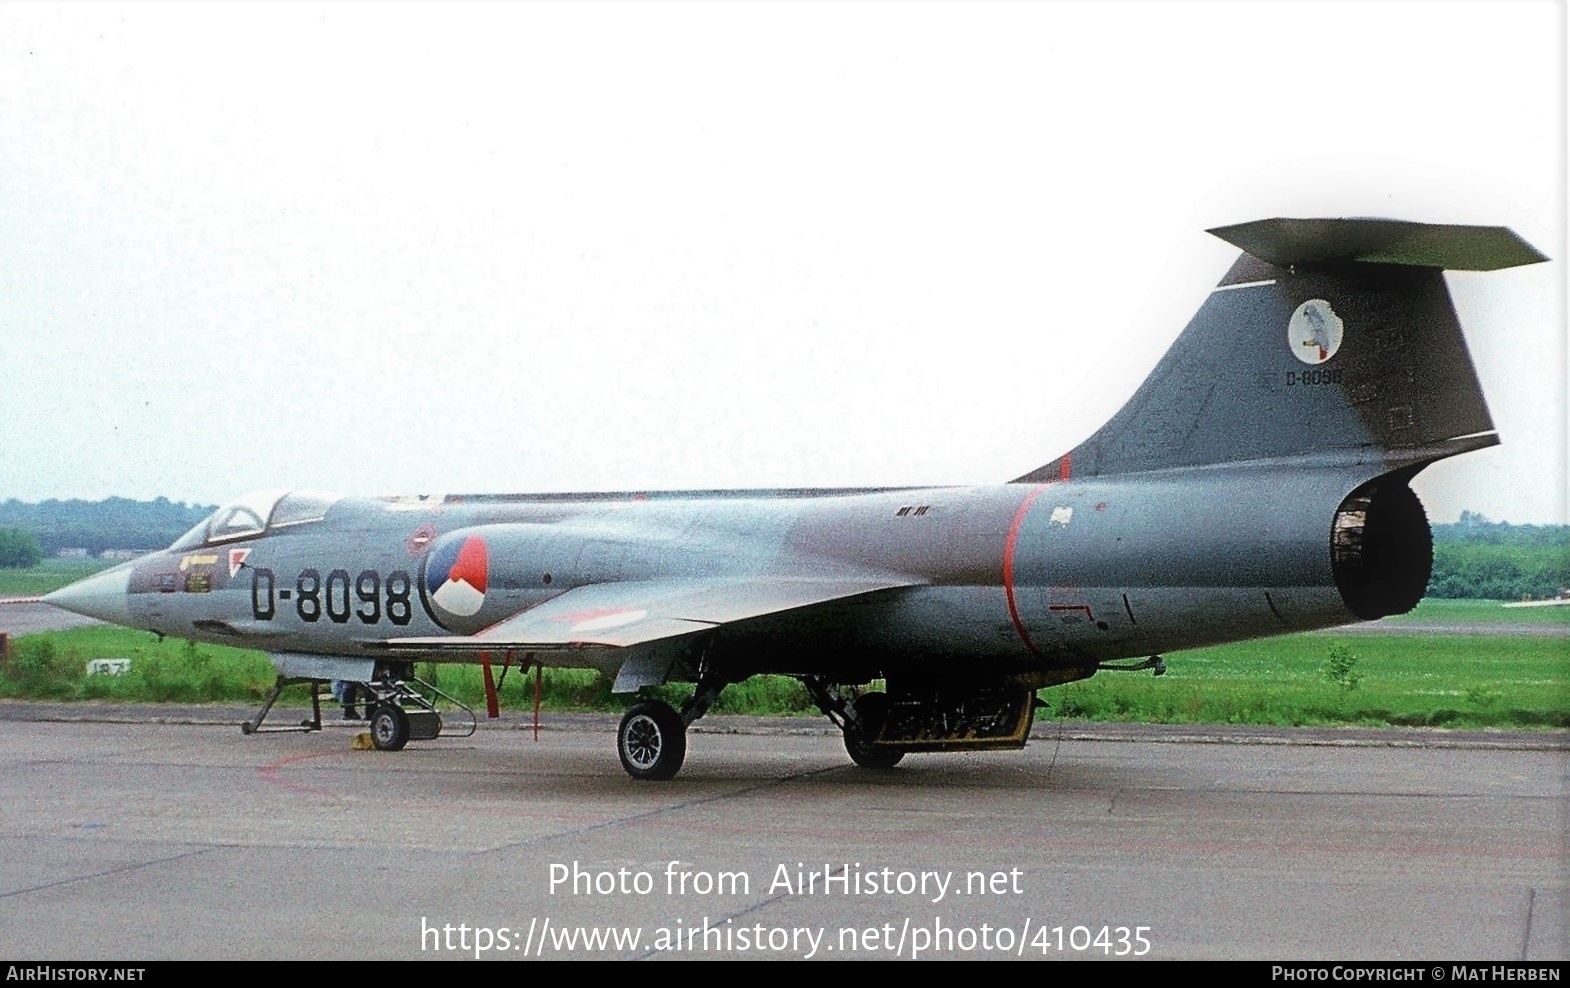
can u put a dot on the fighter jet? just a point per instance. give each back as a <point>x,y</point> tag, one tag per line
<point>1256,484</point>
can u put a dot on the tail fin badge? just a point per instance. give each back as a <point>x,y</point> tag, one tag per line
<point>1314,332</point>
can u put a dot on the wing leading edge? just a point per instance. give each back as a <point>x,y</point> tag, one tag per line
<point>622,615</point>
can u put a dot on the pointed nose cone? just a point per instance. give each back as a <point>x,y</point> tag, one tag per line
<point>101,596</point>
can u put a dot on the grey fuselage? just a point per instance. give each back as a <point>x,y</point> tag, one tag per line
<point>1005,579</point>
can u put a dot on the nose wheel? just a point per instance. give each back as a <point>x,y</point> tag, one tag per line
<point>652,741</point>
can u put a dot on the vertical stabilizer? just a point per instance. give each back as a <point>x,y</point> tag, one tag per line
<point>1326,337</point>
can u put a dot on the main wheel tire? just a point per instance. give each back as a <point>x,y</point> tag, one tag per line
<point>389,727</point>
<point>871,711</point>
<point>652,741</point>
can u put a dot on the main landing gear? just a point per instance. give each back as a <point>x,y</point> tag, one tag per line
<point>869,712</point>
<point>652,739</point>
<point>861,719</point>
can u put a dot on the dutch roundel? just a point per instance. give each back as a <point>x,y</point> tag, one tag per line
<point>455,577</point>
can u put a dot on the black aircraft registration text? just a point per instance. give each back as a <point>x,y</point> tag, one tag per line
<point>368,596</point>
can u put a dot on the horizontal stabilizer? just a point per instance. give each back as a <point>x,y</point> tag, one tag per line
<point>1286,242</point>
<point>620,615</point>
<point>1328,338</point>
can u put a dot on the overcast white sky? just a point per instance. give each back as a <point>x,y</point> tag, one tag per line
<point>406,248</point>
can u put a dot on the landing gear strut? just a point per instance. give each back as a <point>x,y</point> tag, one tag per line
<point>861,720</point>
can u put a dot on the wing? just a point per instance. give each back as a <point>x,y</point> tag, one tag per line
<point>622,615</point>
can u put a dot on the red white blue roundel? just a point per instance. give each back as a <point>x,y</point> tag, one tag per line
<point>455,578</point>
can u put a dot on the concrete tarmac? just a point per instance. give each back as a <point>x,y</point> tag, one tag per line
<point>148,833</point>
<point>30,617</point>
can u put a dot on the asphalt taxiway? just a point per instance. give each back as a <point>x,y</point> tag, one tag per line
<point>27,616</point>
<point>147,833</point>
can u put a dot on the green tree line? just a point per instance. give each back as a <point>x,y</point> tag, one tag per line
<point>1478,558</point>
<point>19,549</point>
<point>113,523</point>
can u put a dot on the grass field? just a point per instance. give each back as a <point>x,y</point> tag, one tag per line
<point>1436,680</point>
<point>1431,611</point>
<point>52,666</point>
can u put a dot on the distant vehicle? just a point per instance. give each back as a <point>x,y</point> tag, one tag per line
<point>1256,484</point>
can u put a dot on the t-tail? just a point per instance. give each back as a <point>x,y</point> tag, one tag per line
<point>1331,346</point>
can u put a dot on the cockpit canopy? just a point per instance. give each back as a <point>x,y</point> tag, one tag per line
<point>258,513</point>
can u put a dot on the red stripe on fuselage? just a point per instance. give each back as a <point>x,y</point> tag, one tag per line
<point>1008,566</point>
